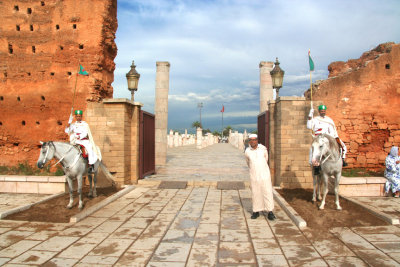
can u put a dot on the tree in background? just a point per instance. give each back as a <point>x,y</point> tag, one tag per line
<point>196,124</point>
<point>216,133</point>
<point>206,131</point>
<point>226,130</point>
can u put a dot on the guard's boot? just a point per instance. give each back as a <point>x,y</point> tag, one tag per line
<point>344,163</point>
<point>255,215</point>
<point>317,170</point>
<point>271,216</point>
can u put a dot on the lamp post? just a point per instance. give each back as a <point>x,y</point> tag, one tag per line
<point>133,79</point>
<point>277,77</point>
<point>200,105</point>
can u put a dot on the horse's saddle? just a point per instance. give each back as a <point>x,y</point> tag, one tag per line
<point>83,151</point>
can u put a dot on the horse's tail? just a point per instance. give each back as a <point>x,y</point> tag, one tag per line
<point>107,173</point>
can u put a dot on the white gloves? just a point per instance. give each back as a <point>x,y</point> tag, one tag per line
<point>311,113</point>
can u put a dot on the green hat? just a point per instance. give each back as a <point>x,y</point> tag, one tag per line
<point>78,112</point>
<point>321,107</point>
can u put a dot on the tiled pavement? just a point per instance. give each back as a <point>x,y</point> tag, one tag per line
<point>196,226</point>
<point>219,162</point>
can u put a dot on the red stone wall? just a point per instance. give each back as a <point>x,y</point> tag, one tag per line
<point>363,98</point>
<point>41,46</point>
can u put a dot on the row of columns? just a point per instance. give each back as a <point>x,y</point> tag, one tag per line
<point>176,139</point>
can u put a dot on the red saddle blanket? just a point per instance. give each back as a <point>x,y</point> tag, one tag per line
<point>84,152</point>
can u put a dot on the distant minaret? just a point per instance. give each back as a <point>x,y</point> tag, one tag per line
<point>266,90</point>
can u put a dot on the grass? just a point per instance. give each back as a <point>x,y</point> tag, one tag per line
<point>359,172</point>
<point>26,169</point>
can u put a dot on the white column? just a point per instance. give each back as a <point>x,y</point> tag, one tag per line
<point>266,90</point>
<point>161,112</point>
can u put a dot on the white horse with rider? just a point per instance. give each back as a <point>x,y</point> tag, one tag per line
<point>327,158</point>
<point>79,158</point>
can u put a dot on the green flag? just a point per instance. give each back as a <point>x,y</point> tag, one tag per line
<point>82,71</point>
<point>310,61</point>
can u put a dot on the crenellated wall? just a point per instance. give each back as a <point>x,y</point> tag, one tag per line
<point>42,44</point>
<point>363,98</point>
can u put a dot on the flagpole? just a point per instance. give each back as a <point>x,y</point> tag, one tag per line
<point>222,130</point>
<point>311,88</point>
<point>76,81</point>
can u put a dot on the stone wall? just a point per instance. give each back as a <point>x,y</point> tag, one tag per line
<point>290,142</point>
<point>363,98</point>
<point>115,127</point>
<point>42,44</point>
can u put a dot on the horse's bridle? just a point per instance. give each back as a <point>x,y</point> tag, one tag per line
<point>47,152</point>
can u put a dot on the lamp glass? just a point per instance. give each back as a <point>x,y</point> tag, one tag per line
<point>133,81</point>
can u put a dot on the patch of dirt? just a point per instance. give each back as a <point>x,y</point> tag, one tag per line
<point>351,214</point>
<point>55,210</point>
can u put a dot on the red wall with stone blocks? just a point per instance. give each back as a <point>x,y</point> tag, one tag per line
<point>363,98</point>
<point>42,44</point>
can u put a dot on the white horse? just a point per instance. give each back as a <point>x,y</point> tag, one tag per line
<point>325,153</point>
<point>74,166</point>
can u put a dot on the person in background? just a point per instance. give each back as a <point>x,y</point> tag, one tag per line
<point>392,172</point>
<point>260,178</point>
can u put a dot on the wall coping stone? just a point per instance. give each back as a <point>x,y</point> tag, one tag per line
<point>121,100</point>
<point>363,180</point>
<point>38,179</point>
<point>290,98</point>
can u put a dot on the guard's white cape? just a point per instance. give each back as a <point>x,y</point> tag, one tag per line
<point>260,178</point>
<point>80,133</point>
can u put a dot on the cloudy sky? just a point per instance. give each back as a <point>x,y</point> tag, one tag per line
<point>215,47</point>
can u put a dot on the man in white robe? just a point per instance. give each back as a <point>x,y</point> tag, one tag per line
<point>322,124</point>
<point>260,178</point>
<point>79,133</point>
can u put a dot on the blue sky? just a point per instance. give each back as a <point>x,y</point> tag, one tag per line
<point>215,47</point>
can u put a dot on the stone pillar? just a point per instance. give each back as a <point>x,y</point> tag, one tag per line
<point>266,90</point>
<point>176,139</point>
<point>161,112</point>
<point>199,138</point>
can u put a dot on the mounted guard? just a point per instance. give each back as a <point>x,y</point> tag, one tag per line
<point>322,124</point>
<point>79,133</point>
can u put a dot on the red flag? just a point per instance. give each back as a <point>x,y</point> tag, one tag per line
<point>223,108</point>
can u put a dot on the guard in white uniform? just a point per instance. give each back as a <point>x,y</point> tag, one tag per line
<point>79,133</point>
<point>322,124</point>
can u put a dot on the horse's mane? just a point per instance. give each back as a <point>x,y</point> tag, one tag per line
<point>333,145</point>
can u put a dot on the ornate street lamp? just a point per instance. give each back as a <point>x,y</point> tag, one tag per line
<point>133,79</point>
<point>277,77</point>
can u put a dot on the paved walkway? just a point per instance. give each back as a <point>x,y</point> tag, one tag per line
<point>196,226</point>
<point>219,162</point>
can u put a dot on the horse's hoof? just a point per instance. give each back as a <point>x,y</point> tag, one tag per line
<point>69,207</point>
<point>320,208</point>
<point>90,196</point>
<point>80,207</point>
<point>339,208</point>
<point>94,195</point>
